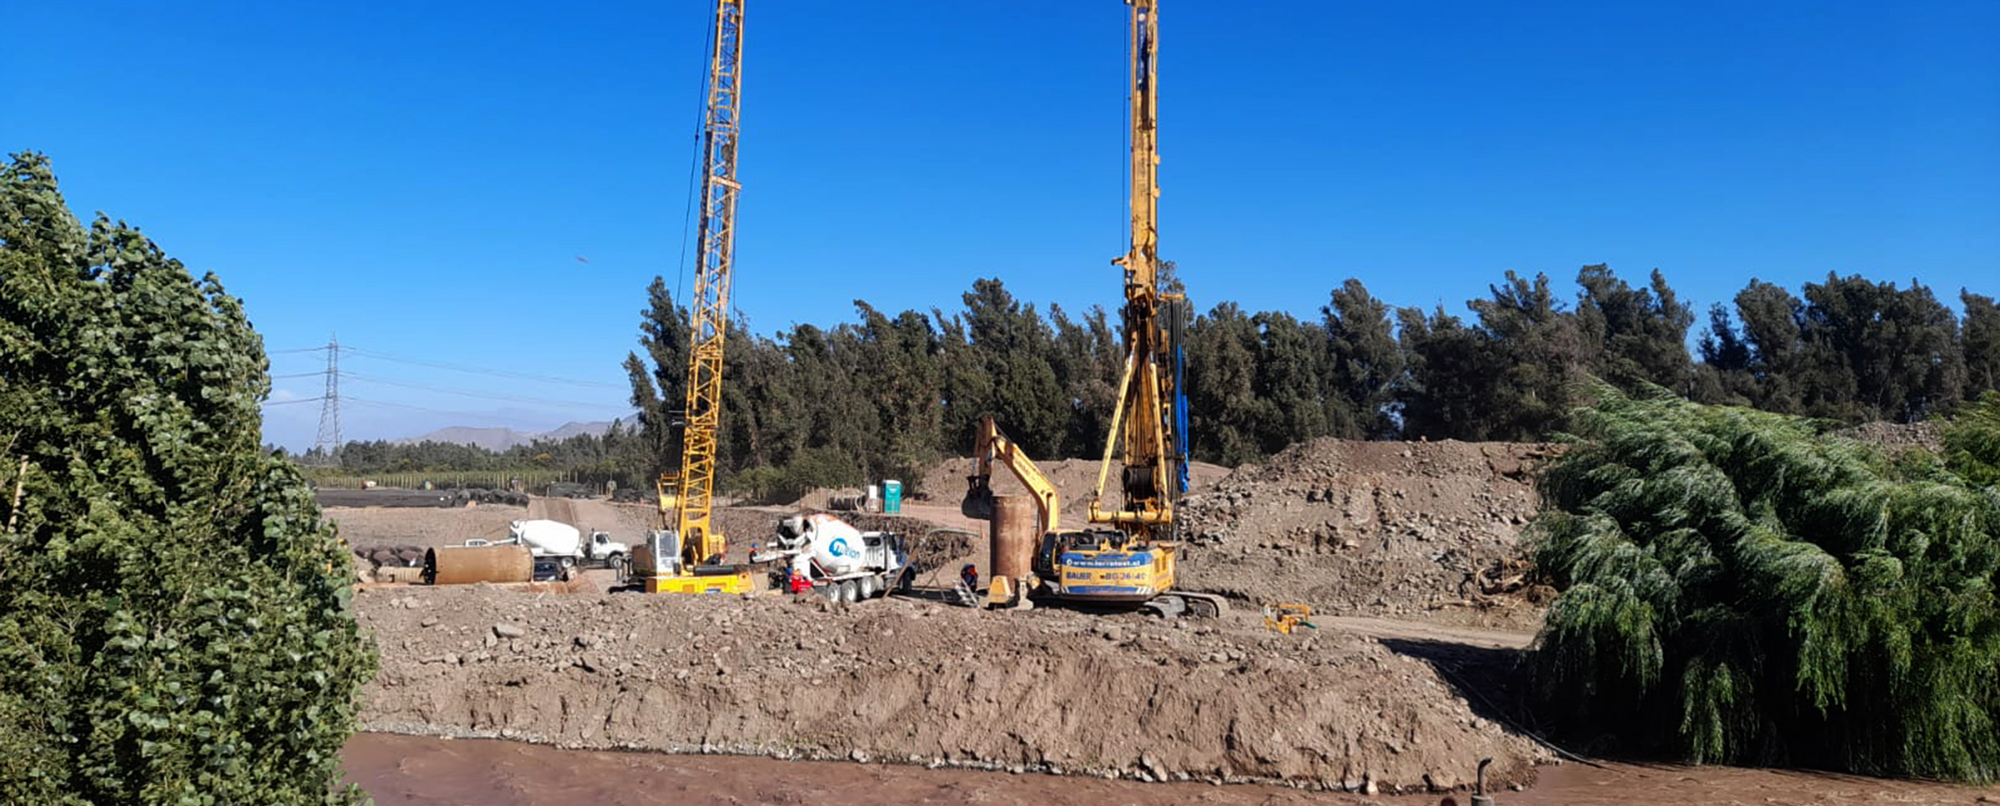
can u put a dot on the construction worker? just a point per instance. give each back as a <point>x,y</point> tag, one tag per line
<point>970,576</point>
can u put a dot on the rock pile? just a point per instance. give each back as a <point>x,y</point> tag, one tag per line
<point>910,681</point>
<point>1377,528</point>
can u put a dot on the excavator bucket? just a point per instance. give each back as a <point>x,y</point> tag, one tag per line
<point>978,503</point>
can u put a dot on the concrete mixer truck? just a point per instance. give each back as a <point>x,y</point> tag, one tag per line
<point>824,554</point>
<point>562,543</point>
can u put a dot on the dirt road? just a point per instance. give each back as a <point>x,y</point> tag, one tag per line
<point>1424,631</point>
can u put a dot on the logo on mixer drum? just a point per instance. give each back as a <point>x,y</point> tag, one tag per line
<point>839,548</point>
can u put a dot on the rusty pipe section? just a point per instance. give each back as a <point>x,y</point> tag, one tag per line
<point>464,565</point>
<point>1011,547</point>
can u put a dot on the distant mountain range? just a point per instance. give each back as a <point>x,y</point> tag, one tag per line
<point>500,439</point>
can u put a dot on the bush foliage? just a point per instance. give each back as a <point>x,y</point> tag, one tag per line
<point>174,614</point>
<point>1972,441</point>
<point>1742,587</point>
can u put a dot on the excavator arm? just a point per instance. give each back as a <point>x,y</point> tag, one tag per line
<point>990,445</point>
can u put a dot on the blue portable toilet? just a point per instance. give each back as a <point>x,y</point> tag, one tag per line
<point>892,496</point>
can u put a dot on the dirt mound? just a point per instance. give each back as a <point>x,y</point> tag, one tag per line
<point>1899,437</point>
<point>1376,528</point>
<point>911,681</point>
<point>1075,479</point>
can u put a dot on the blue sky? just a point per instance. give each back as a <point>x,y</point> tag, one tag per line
<point>422,177</point>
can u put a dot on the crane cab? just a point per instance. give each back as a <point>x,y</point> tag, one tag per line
<point>657,566</point>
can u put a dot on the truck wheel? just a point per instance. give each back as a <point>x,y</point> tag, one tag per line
<point>617,562</point>
<point>830,590</point>
<point>905,581</point>
<point>568,562</point>
<point>850,591</point>
<point>868,587</point>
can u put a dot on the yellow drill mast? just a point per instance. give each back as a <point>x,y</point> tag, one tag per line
<point>1143,424</point>
<point>1130,553</point>
<point>683,558</point>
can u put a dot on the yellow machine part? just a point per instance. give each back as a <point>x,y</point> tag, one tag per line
<point>738,582</point>
<point>687,497</point>
<point>1134,574</point>
<point>1286,617</point>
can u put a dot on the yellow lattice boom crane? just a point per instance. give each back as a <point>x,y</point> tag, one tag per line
<point>685,554</point>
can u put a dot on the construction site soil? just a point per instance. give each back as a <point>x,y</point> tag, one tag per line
<point>913,680</point>
<point>1428,531</point>
<point>1408,552</point>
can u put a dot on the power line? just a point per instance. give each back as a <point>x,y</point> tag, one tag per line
<point>363,352</point>
<point>268,403</point>
<point>484,395</point>
<point>500,373</point>
<point>470,415</point>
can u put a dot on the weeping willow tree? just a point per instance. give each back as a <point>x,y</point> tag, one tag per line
<point>1742,587</point>
<point>1972,441</point>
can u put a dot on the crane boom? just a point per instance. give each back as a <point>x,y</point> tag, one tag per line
<point>687,497</point>
<point>710,307</point>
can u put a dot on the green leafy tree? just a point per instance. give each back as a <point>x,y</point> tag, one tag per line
<point>1852,350</point>
<point>1292,365</point>
<point>1770,318</point>
<point>1542,356</point>
<point>659,379</point>
<point>1508,377</point>
<point>1723,376</point>
<point>898,365</point>
<point>1980,340</point>
<point>1222,386</point>
<point>1895,352</point>
<point>174,614</point>
<point>1014,345</point>
<point>1088,361</point>
<point>1366,362</point>
<point>1742,588</point>
<point>1452,372</point>
<point>1634,336</point>
<point>968,388</point>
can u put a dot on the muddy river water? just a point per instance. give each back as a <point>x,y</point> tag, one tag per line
<point>426,771</point>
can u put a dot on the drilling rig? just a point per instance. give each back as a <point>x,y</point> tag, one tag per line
<point>685,554</point>
<point>1128,554</point>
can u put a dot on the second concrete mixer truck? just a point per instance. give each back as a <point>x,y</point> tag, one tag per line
<point>824,554</point>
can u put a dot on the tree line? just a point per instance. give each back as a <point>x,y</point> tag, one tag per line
<point>621,454</point>
<point>885,395</point>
